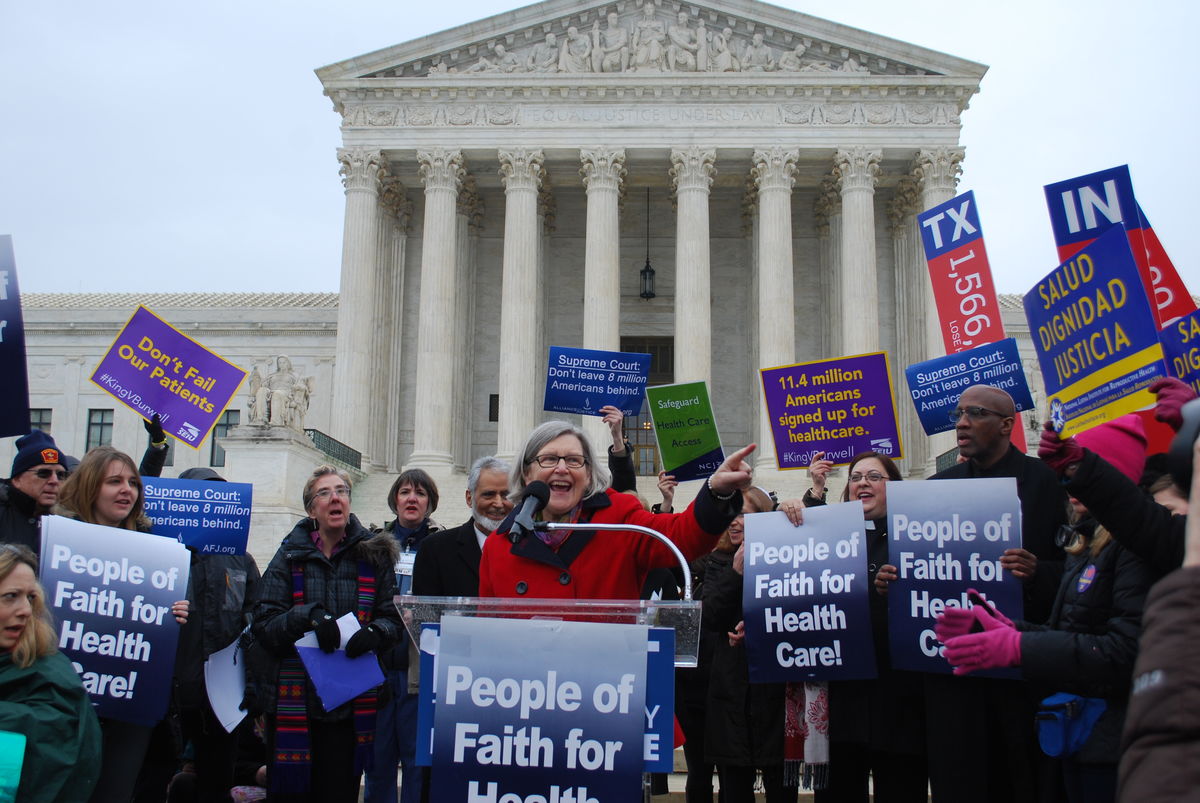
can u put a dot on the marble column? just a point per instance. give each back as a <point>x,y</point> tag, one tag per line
<point>856,169</point>
<point>827,208</point>
<point>520,316</point>
<point>692,171</point>
<point>469,225</point>
<point>910,322</point>
<point>936,172</point>
<point>603,170</point>
<point>442,172</point>
<point>361,171</point>
<point>389,312</point>
<point>774,171</point>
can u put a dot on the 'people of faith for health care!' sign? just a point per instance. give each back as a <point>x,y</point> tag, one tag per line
<point>154,368</point>
<point>1095,335</point>
<point>840,407</point>
<point>686,430</point>
<point>584,380</point>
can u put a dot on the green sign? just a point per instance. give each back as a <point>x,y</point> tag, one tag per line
<point>686,430</point>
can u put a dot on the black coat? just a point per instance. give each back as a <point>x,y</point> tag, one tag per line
<point>1141,525</point>
<point>744,722</point>
<point>20,522</point>
<point>330,583</point>
<point>887,713</point>
<point>447,564</point>
<point>1043,512</point>
<point>222,590</point>
<point>1091,641</point>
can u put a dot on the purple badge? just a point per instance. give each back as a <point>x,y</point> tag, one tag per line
<point>1086,578</point>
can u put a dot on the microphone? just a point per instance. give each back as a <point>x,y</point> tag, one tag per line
<point>537,494</point>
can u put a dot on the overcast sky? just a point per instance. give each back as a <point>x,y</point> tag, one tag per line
<point>187,146</point>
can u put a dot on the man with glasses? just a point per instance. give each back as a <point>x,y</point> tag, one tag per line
<point>980,730</point>
<point>37,476</point>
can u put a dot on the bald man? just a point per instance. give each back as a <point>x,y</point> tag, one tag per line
<point>980,733</point>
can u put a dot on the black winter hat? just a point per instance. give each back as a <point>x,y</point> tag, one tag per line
<point>35,449</point>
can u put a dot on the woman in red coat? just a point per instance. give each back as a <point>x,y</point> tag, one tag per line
<point>579,564</point>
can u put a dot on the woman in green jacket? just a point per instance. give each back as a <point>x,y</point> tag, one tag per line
<point>41,697</point>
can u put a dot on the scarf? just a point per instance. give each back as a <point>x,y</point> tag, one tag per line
<point>292,759</point>
<point>806,735</point>
<point>556,538</point>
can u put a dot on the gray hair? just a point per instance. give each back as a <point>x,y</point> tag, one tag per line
<point>598,477</point>
<point>322,471</point>
<point>486,463</point>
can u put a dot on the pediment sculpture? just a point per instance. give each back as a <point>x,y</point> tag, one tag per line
<point>650,39</point>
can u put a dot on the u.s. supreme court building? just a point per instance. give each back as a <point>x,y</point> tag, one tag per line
<point>507,184</point>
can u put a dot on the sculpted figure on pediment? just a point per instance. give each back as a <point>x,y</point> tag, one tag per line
<point>851,65</point>
<point>576,52</point>
<point>685,52</point>
<point>790,61</point>
<point>610,47</point>
<point>720,50</point>
<point>504,62</point>
<point>649,41</point>
<point>817,66</point>
<point>543,57</point>
<point>758,56</point>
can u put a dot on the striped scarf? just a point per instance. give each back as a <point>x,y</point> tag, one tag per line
<point>292,757</point>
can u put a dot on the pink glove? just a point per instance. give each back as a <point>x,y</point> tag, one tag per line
<point>1058,454</point>
<point>987,613</point>
<point>988,650</point>
<point>960,621</point>
<point>1172,395</point>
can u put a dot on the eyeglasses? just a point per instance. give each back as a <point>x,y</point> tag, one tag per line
<point>325,493</point>
<point>870,476</point>
<point>974,412</point>
<point>47,473</point>
<point>551,460</point>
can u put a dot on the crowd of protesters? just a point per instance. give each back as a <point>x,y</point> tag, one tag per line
<point>1099,531</point>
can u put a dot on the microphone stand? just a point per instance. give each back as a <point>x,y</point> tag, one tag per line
<point>551,526</point>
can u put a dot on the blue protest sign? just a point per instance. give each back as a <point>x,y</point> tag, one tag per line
<point>660,701</point>
<point>583,380</point>
<point>944,537</point>
<point>1095,335</point>
<point>14,401</point>
<point>539,710</point>
<point>111,592</point>
<point>804,596</point>
<point>936,384</point>
<point>1181,349</point>
<point>1082,208</point>
<point>211,517</point>
<point>660,698</point>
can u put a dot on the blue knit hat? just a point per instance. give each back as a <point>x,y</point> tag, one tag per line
<point>35,449</point>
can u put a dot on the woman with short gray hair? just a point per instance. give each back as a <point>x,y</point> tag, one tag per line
<point>589,565</point>
<point>327,566</point>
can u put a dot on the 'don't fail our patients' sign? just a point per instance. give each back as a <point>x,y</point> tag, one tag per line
<point>153,368</point>
<point>1095,335</point>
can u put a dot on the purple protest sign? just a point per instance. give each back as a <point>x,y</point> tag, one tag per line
<point>840,407</point>
<point>153,368</point>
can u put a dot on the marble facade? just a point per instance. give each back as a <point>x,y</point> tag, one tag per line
<point>496,177</point>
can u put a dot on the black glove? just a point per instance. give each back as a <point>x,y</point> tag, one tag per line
<point>155,430</point>
<point>365,640</point>
<point>329,635</point>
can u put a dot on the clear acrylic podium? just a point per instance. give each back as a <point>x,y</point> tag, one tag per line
<point>681,615</point>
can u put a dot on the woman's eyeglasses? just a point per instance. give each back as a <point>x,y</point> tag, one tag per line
<point>325,493</point>
<point>870,476</point>
<point>551,460</point>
